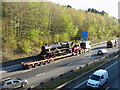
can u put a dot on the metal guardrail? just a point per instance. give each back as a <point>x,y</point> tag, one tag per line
<point>99,43</point>
<point>71,82</point>
<point>102,42</point>
<point>72,71</point>
<point>18,66</point>
<point>61,74</point>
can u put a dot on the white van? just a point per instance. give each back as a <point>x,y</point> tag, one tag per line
<point>98,78</point>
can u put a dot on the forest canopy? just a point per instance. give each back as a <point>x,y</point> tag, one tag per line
<point>27,25</point>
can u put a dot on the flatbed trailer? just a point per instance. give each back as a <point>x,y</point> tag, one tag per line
<point>49,53</point>
<point>36,63</point>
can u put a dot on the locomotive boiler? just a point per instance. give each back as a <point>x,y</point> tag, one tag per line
<point>54,50</point>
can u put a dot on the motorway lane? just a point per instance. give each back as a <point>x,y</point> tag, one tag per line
<point>114,78</point>
<point>60,66</point>
<point>73,61</point>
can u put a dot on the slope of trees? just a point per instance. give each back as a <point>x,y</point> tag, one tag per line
<point>27,25</point>
<point>97,12</point>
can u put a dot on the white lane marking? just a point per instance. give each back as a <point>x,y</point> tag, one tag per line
<point>61,73</point>
<point>107,88</point>
<point>112,65</point>
<point>69,64</point>
<point>26,71</point>
<point>88,55</point>
<point>86,80</point>
<point>57,61</point>
<point>40,74</point>
<point>81,84</point>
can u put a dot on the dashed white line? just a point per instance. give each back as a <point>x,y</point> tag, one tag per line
<point>81,84</point>
<point>107,88</point>
<point>86,80</point>
<point>40,74</point>
<point>112,65</point>
<point>69,64</point>
<point>26,71</point>
<point>57,61</point>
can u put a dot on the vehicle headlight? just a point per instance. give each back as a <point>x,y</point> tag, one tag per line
<point>88,83</point>
<point>95,84</point>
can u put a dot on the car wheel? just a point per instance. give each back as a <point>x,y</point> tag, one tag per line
<point>99,86</point>
<point>107,80</point>
<point>23,84</point>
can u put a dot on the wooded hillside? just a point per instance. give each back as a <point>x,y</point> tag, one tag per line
<point>26,26</point>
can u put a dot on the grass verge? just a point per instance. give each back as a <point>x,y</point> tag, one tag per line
<point>67,77</point>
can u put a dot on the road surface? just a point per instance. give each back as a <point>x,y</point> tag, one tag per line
<point>43,73</point>
<point>114,78</point>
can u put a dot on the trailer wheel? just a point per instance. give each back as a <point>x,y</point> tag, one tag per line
<point>89,50</point>
<point>84,51</point>
<point>80,51</point>
<point>30,66</point>
<point>48,62</point>
<point>36,65</point>
<point>77,52</point>
<point>39,64</point>
<point>44,63</point>
<point>33,66</point>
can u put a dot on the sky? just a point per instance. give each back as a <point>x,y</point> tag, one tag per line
<point>109,6</point>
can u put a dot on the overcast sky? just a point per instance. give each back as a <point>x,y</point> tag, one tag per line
<point>109,6</point>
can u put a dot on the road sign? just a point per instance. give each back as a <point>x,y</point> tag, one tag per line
<point>85,34</point>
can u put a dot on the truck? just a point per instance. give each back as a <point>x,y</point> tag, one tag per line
<point>111,43</point>
<point>85,45</point>
<point>57,51</point>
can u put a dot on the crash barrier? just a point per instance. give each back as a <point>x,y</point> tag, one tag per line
<point>77,79</point>
<point>18,66</point>
<point>102,42</point>
<point>99,43</point>
<point>73,71</point>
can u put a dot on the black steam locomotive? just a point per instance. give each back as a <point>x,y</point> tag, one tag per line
<point>54,50</point>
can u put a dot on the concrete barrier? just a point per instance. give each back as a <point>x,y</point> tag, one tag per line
<point>11,68</point>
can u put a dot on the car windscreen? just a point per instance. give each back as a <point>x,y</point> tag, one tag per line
<point>95,77</point>
<point>99,50</point>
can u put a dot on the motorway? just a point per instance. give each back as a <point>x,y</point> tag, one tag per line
<point>46,72</point>
<point>114,78</point>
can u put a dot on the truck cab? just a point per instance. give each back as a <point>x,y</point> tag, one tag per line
<point>111,43</point>
<point>85,45</point>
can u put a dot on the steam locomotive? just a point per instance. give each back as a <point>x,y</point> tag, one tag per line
<point>54,50</point>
